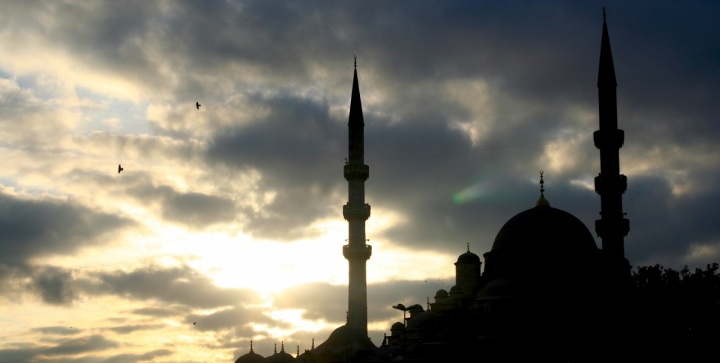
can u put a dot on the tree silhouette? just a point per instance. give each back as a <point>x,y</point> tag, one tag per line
<point>676,312</point>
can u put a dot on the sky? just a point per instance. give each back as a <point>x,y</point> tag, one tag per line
<point>226,224</point>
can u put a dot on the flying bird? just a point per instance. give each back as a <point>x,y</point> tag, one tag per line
<point>195,323</point>
<point>197,104</point>
<point>120,168</point>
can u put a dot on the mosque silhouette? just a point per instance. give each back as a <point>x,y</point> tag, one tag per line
<point>546,292</point>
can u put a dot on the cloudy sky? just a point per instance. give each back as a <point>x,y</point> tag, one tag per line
<point>230,216</point>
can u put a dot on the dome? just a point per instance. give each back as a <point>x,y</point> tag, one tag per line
<point>280,357</point>
<point>345,338</point>
<point>455,291</point>
<point>441,293</point>
<point>544,227</point>
<point>468,257</point>
<point>423,320</point>
<point>501,287</point>
<point>250,357</point>
<point>397,326</point>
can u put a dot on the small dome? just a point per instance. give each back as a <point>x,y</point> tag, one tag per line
<point>250,357</point>
<point>280,357</point>
<point>469,258</point>
<point>502,287</point>
<point>441,293</point>
<point>397,326</point>
<point>423,320</point>
<point>456,291</point>
<point>346,338</point>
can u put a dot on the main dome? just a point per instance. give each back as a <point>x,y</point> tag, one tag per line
<point>545,228</point>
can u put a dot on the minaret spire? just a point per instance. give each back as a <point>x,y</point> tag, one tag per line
<point>356,212</point>
<point>610,184</point>
<point>542,202</point>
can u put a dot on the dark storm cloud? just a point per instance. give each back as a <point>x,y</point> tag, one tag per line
<point>127,329</point>
<point>666,226</point>
<point>45,227</point>
<point>80,345</point>
<point>195,210</point>
<point>34,228</point>
<point>59,330</point>
<point>161,312</point>
<point>59,349</point>
<point>53,285</point>
<point>295,147</point>
<point>541,58</point>
<point>176,285</point>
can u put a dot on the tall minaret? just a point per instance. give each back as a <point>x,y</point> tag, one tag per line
<point>356,212</point>
<point>610,184</point>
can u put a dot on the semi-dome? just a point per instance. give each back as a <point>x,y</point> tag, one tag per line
<point>346,339</point>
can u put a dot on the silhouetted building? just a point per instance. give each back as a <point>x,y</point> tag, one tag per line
<point>546,292</point>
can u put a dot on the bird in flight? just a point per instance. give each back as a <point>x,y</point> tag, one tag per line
<point>197,104</point>
<point>195,323</point>
<point>120,168</point>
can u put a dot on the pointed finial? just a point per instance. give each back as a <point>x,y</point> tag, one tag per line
<point>298,352</point>
<point>282,347</point>
<point>542,202</point>
<point>384,343</point>
<point>275,350</point>
<point>427,299</point>
<point>251,350</point>
<point>468,246</point>
<point>347,317</point>
<point>603,13</point>
<point>313,345</point>
<point>356,57</point>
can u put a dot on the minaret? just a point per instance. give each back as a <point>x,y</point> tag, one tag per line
<point>610,184</point>
<point>356,212</point>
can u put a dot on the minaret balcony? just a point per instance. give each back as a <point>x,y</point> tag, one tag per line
<point>356,172</point>
<point>612,228</point>
<point>601,185</point>
<point>609,138</point>
<point>356,212</point>
<point>357,252</point>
